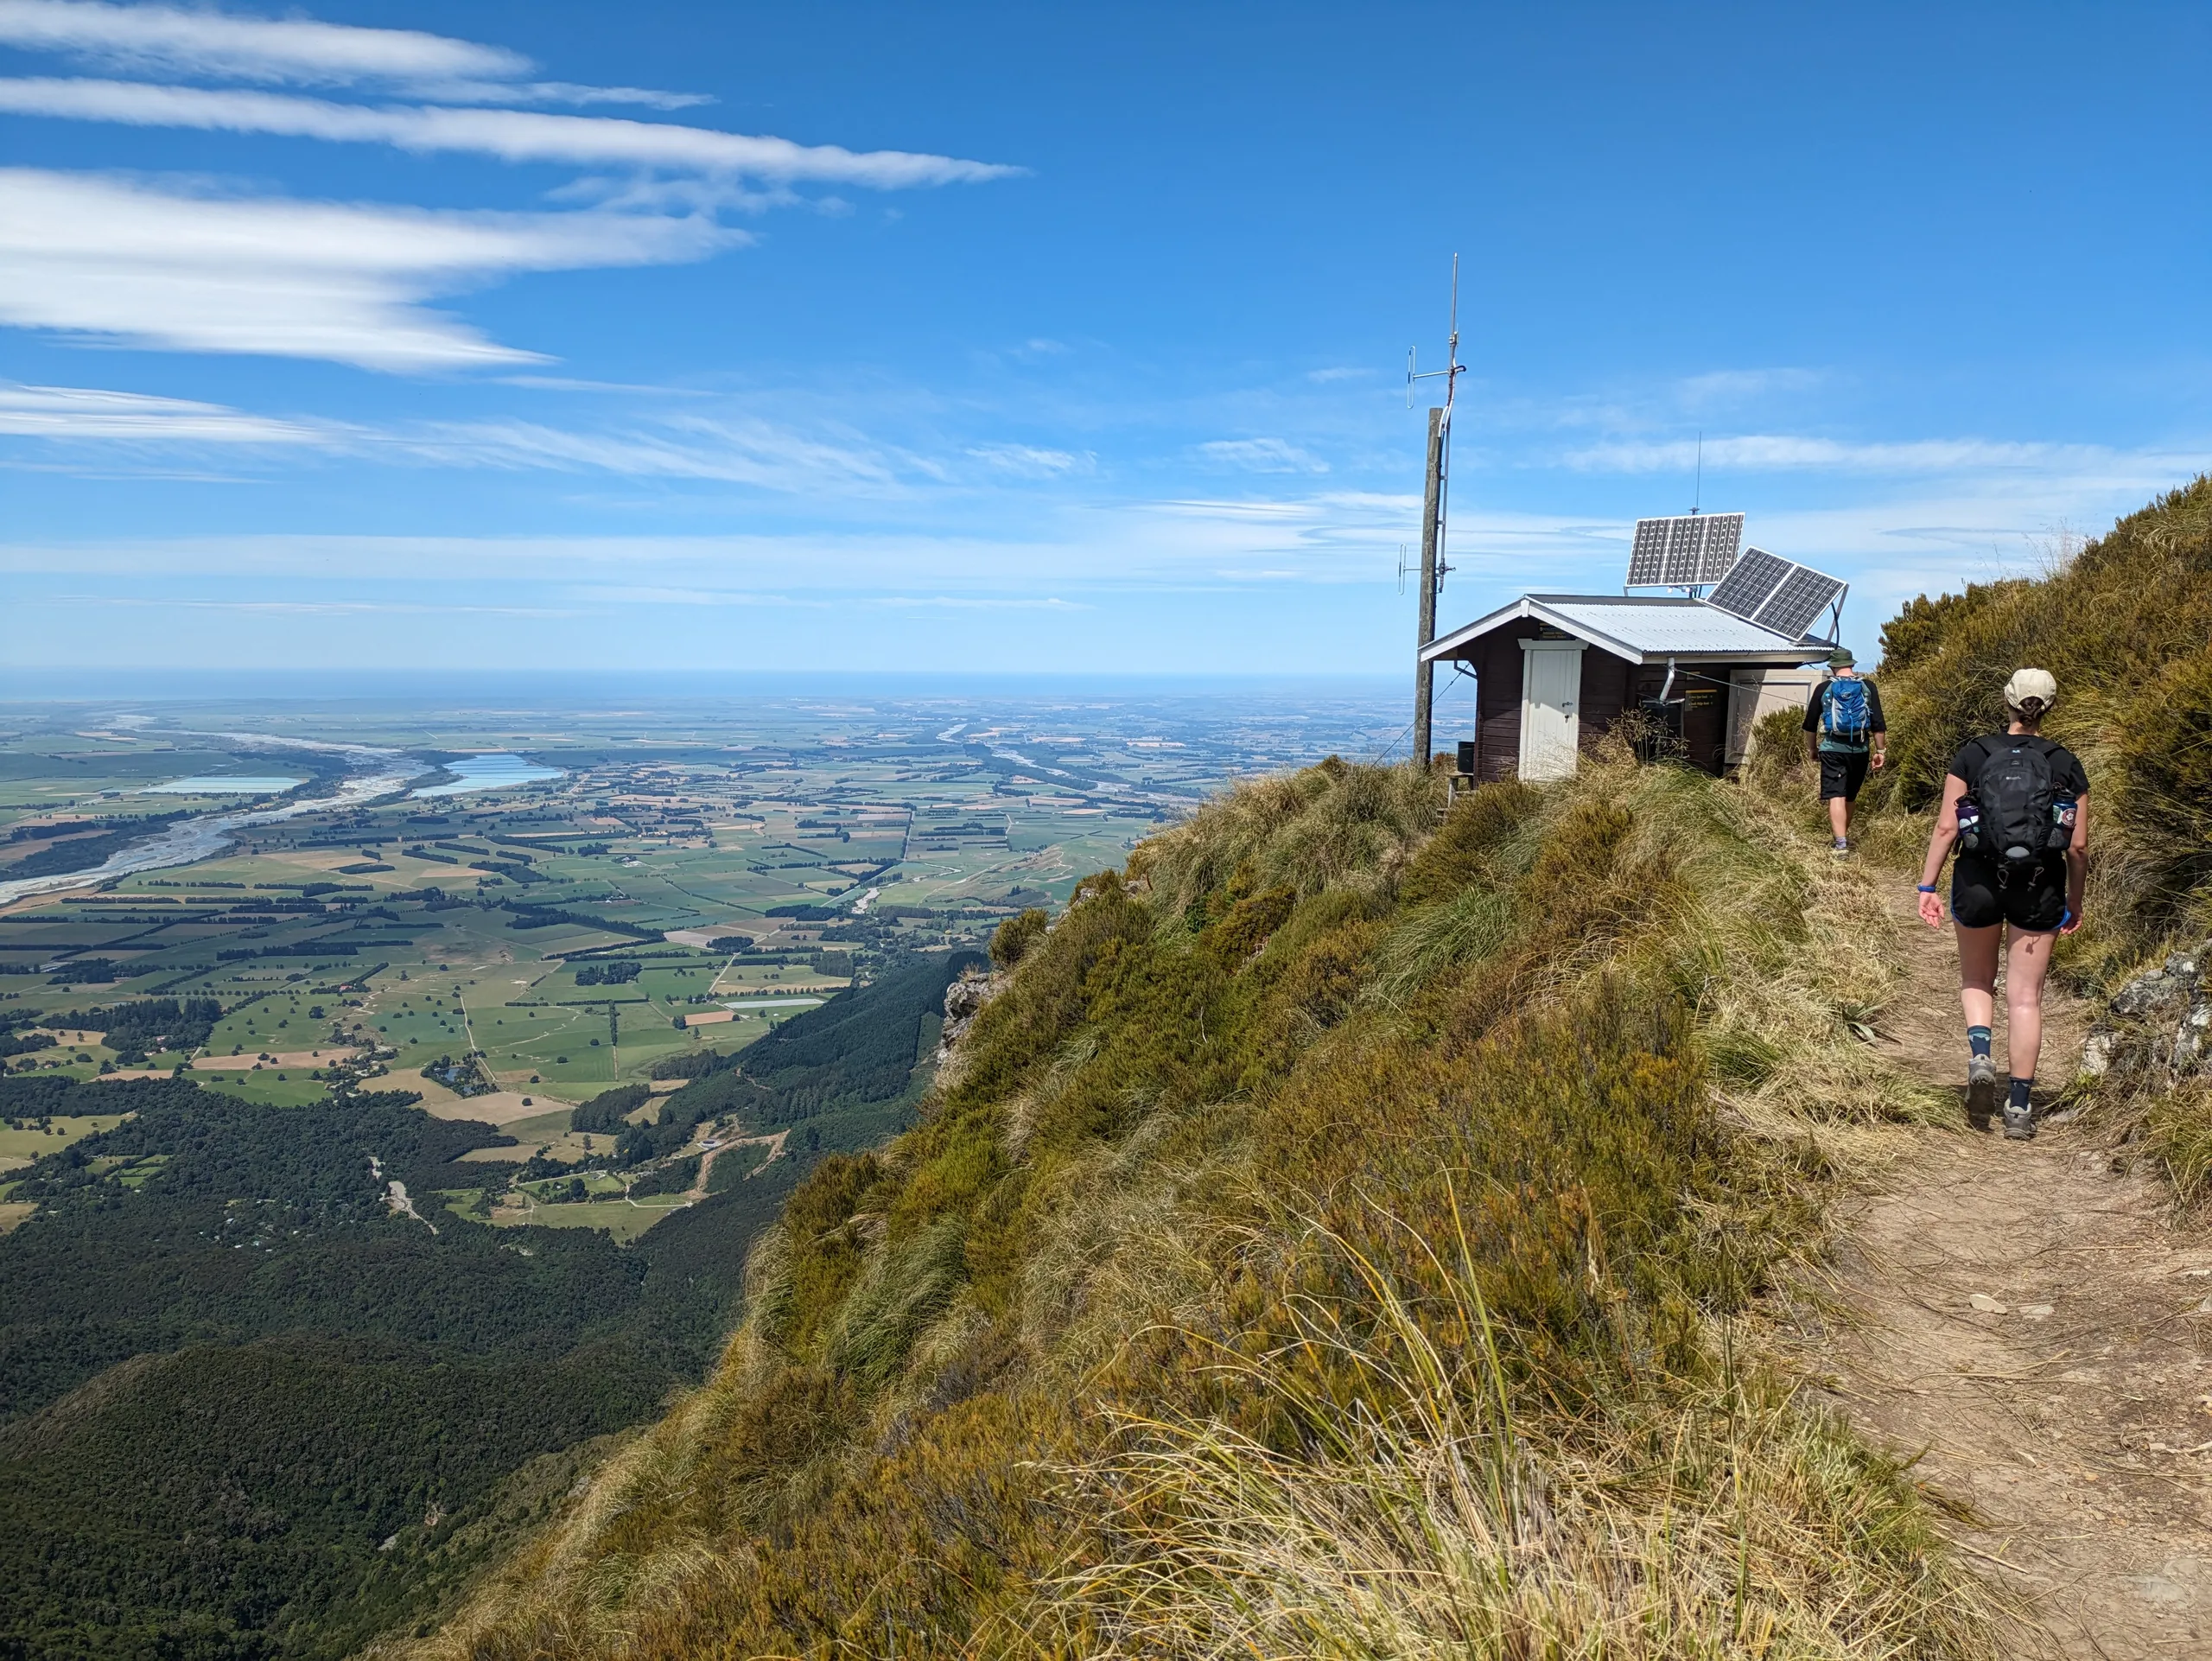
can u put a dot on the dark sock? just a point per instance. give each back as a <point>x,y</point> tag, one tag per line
<point>1977,1041</point>
<point>2020,1089</point>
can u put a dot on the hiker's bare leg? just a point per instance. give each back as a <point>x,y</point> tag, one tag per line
<point>2027,960</point>
<point>1840,815</point>
<point>1978,973</point>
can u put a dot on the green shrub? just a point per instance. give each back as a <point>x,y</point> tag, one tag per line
<point>1011,939</point>
<point>2164,747</point>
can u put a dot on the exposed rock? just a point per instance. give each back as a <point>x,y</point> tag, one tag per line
<point>2157,1032</point>
<point>964,1001</point>
<point>2146,993</point>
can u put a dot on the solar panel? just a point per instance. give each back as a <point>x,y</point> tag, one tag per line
<point>1775,592</point>
<point>1751,584</point>
<point>1683,549</point>
<point>1803,595</point>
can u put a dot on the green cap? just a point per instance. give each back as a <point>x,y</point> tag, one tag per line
<point>1841,658</point>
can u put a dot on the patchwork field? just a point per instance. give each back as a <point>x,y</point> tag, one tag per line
<point>371,1161</point>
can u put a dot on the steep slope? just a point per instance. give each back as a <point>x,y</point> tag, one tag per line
<point>248,1409</point>
<point>1333,1238</point>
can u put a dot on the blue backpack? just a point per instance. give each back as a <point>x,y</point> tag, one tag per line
<point>1843,712</point>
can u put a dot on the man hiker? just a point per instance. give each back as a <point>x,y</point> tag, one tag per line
<point>2017,808</point>
<point>1845,734</point>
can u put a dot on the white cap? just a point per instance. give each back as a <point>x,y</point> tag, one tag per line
<point>2027,684</point>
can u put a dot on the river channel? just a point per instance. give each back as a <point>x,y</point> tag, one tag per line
<point>379,773</point>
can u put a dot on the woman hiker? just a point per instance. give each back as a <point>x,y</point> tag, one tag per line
<point>2017,808</point>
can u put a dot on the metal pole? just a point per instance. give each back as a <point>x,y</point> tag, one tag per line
<point>1423,674</point>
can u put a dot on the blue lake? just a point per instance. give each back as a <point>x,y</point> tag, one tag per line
<point>223,784</point>
<point>490,772</point>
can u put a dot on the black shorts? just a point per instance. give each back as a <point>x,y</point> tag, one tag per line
<point>1841,773</point>
<point>2034,900</point>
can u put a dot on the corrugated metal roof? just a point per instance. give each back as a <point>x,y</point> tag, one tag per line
<point>1643,629</point>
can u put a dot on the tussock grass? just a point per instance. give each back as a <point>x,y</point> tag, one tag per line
<point>2177,1132</point>
<point>1436,1519</point>
<point>1335,1241</point>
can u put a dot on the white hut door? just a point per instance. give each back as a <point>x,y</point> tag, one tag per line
<point>1551,691</point>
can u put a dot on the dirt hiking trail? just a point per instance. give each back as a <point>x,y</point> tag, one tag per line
<point>2043,1329</point>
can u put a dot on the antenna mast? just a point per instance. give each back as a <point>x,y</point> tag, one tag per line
<point>1434,499</point>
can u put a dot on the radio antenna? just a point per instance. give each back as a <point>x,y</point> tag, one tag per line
<point>1435,499</point>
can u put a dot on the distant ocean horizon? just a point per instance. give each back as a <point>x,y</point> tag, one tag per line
<point>572,687</point>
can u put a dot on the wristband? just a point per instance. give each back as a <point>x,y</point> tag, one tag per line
<point>1928,888</point>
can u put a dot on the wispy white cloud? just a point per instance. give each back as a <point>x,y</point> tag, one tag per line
<point>509,134</point>
<point>738,450</point>
<point>167,40</point>
<point>1262,456</point>
<point>301,608</point>
<point>650,594</point>
<point>84,413</point>
<point>247,48</point>
<point>132,263</point>
<point>973,602</point>
<point>1721,387</point>
<point>1788,453</point>
<point>1028,461</point>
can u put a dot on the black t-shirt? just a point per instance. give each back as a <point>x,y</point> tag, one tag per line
<point>1968,763</point>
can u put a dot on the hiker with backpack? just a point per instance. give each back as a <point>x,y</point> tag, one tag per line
<point>2015,805</point>
<point>1845,735</point>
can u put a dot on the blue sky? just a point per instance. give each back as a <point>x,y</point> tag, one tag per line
<point>1054,338</point>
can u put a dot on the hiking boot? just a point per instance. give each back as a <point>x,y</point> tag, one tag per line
<point>2020,1123</point>
<point>1841,850</point>
<point>1981,1091</point>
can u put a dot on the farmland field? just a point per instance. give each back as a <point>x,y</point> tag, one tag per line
<point>425,1135</point>
<point>658,884</point>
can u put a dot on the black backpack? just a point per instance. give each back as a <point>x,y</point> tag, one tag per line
<point>2017,798</point>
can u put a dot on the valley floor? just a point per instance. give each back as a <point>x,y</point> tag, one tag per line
<point>2041,1327</point>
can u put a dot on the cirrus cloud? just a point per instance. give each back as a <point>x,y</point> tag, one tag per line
<point>509,134</point>
<point>247,48</point>
<point>130,262</point>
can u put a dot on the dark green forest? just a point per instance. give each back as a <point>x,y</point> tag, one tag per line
<point>247,1412</point>
<point>853,1057</point>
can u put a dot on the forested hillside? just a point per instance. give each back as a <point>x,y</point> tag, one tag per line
<point>1329,1240</point>
<point>249,1409</point>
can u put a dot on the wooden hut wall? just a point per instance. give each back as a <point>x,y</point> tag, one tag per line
<point>1606,681</point>
<point>1496,661</point>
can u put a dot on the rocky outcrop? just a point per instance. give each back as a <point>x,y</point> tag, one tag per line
<point>964,1001</point>
<point>2156,1033</point>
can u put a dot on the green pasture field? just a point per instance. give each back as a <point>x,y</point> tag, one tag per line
<point>20,1146</point>
<point>624,1220</point>
<point>706,823</point>
<point>272,1087</point>
<point>600,1185</point>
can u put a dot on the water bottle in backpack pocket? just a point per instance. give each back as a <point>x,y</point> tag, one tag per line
<point>1969,826</point>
